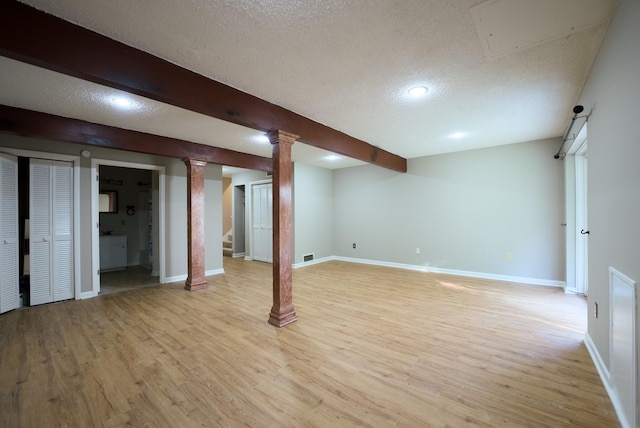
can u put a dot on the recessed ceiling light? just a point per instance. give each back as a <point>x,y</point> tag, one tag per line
<point>458,134</point>
<point>417,91</point>
<point>332,157</point>
<point>122,103</point>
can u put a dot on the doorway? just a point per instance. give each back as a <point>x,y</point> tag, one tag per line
<point>261,221</point>
<point>577,230</point>
<point>238,220</point>
<point>128,236</point>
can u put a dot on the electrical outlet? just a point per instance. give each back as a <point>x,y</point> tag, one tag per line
<point>509,255</point>
<point>354,245</point>
<point>417,251</point>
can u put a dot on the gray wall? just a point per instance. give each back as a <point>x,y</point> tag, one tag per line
<point>464,210</point>
<point>611,96</point>
<point>213,216</point>
<point>175,203</point>
<point>313,212</point>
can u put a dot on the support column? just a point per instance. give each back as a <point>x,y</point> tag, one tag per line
<point>195,225</point>
<point>282,312</point>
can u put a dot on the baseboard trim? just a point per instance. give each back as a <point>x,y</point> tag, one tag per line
<point>481,275</point>
<point>235,255</point>
<point>170,279</point>
<point>313,262</point>
<point>605,377</point>
<point>177,278</point>
<point>603,371</point>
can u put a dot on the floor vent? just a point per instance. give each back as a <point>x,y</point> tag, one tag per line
<point>308,257</point>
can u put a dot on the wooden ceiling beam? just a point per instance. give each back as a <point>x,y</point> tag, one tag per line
<point>28,123</point>
<point>37,38</point>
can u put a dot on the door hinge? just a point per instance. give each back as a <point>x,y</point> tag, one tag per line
<point>98,271</point>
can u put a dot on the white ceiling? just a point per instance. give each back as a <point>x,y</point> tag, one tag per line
<point>499,72</point>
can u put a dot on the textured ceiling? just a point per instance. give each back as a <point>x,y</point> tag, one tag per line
<point>346,64</point>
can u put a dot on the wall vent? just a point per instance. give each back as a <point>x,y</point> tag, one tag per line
<point>308,257</point>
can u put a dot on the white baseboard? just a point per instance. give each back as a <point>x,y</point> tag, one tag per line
<point>605,376</point>
<point>234,255</point>
<point>177,278</point>
<point>170,279</point>
<point>603,371</point>
<point>481,275</point>
<point>313,262</point>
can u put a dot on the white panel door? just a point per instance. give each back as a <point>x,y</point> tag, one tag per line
<point>9,253</point>
<point>51,243</point>
<point>62,227</point>
<point>262,201</point>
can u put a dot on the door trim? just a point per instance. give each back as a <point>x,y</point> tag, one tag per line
<point>576,215</point>
<point>95,235</point>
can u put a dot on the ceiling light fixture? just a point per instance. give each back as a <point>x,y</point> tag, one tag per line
<point>458,134</point>
<point>122,103</point>
<point>261,139</point>
<point>417,91</point>
<point>332,157</point>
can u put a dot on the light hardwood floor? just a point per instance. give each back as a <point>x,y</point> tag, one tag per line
<point>372,347</point>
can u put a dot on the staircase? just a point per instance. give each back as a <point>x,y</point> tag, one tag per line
<point>227,244</point>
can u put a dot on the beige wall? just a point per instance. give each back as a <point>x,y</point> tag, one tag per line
<point>313,212</point>
<point>464,210</point>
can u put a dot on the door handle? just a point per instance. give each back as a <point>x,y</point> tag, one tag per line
<point>584,232</point>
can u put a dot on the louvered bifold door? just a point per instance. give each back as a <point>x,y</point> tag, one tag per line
<point>51,243</point>
<point>40,248</point>
<point>62,226</point>
<point>9,253</point>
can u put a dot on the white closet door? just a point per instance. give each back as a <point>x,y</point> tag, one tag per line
<point>262,201</point>
<point>9,253</point>
<point>62,225</point>
<point>51,243</point>
<point>40,250</point>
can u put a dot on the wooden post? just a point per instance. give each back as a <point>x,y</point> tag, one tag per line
<point>195,225</point>
<point>282,312</point>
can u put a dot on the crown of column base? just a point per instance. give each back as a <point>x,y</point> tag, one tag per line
<point>282,316</point>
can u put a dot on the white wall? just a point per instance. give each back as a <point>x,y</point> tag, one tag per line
<point>464,210</point>
<point>313,212</point>
<point>611,97</point>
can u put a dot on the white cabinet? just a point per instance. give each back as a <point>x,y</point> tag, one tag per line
<point>113,252</point>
